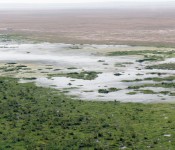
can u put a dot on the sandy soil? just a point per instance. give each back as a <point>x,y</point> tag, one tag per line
<point>134,27</point>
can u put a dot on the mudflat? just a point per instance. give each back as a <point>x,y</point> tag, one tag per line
<point>101,26</point>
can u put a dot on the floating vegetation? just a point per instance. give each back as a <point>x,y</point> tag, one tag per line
<point>85,75</point>
<point>75,46</point>
<point>162,84</point>
<point>158,79</point>
<point>136,80</point>
<point>11,63</point>
<point>117,74</point>
<point>166,66</point>
<point>12,67</point>
<point>12,38</point>
<point>105,91</point>
<point>71,68</point>
<point>167,53</point>
<point>157,73</point>
<point>101,60</point>
<point>32,78</point>
<point>49,68</point>
<point>147,92</point>
<point>131,93</point>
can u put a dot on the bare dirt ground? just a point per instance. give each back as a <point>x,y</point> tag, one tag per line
<point>132,27</point>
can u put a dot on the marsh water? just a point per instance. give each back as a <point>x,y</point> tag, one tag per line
<point>46,58</point>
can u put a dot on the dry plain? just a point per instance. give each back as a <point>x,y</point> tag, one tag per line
<point>101,26</point>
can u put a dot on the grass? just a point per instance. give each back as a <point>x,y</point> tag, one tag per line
<point>123,64</point>
<point>40,118</point>
<point>169,53</point>
<point>75,46</point>
<point>136,80</point>
<point>72,68</point>
<point>156,79</point>
<point>166,66</point>
<point>149,55</point>
<point>105,91</point>
<point>147,92</point>
<point>152,58</point>
<point>32,78</point>
<point>85,75</point>
<point>13,67</point>
<point>160,79</point>
<point>162,84</point>
<point>13,38</point>
<point>172,93</point>
<point>132,93</point>
<point>123,53</point>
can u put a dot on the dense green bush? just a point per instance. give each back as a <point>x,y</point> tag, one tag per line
<point>40,118</point>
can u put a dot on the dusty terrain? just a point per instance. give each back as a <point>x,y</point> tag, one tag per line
<point>133,27</point>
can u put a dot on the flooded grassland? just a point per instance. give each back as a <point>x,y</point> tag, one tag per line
<point>83,96</point>
<point>93,72</point>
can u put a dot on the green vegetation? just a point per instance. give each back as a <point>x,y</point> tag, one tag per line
<point>159,82</point>
<point>149,55</point>
<point>105,91</point>
<point>113,89</point>
<point>108,90</point>
<point>11,63</point>
<point>152,58</point>
<point>143,52</point>
<point>72,68</point>
<point>162,84</point>
<point>152,92</point>
<point>156,79</point>
<point>123,64</point>
<point>172,93</point>
<point>132,93</point>
<point>75,46</point>
<point>157,73</point>
<point>85,75</point>
<point>21,66</point>
<point>166,66</point>
<point>40,118</point>
<point>123,53</point>
<point>136,80</point>
<point>49,68</point>
<point>12,67</point>
<point>147,92</point>
<point>165,92</point>
<point>32,78</point>
<point>88,91</point>
<point>12,38</point>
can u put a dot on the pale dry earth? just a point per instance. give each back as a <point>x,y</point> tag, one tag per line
<point>102,26</point>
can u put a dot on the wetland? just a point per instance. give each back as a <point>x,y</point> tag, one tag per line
<point>84,96</point>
